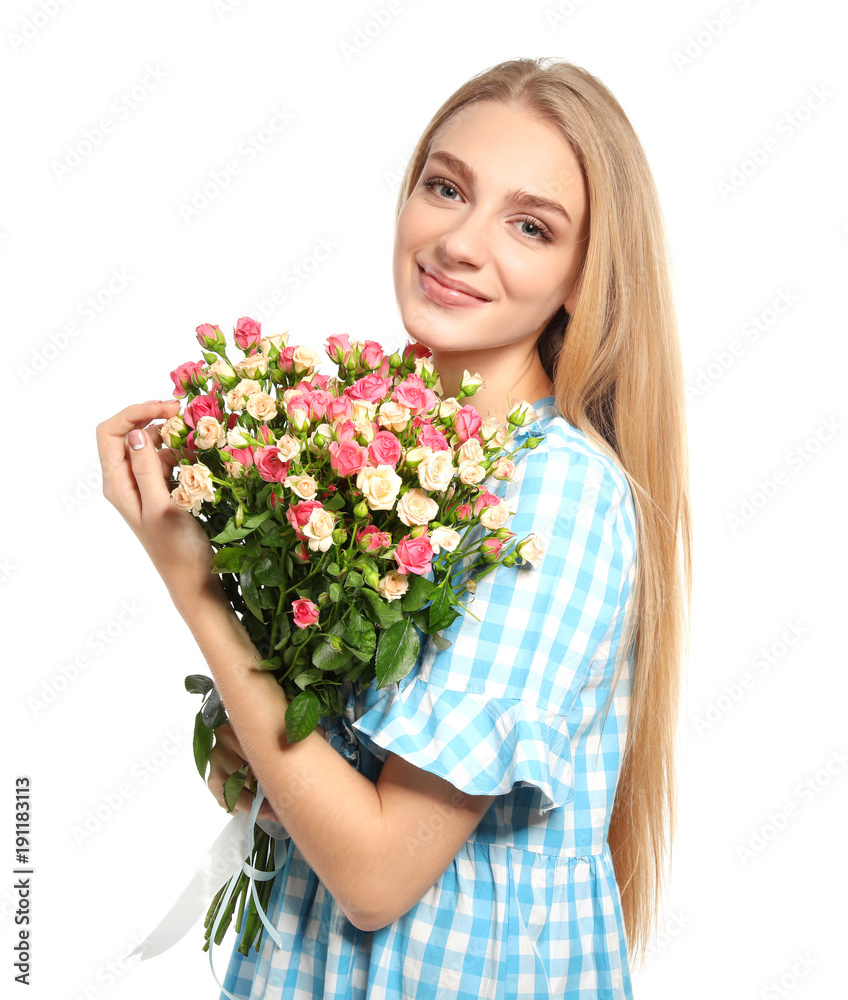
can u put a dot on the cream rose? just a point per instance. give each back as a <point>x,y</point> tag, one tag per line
<point>393,585</point>
<point>415,507</point>
<point>495,517</point>
<point>532,549</point>
<point>208,433</point>
<point>394,416</point>
<point>379,486</point>
<point>444,538</point>
<point>173,431</point>
<point>278,340</point>
<point>195,480</point>
<point>185,501</point>
<point>238,436</point>
<point>235,470</point>
<point>449,406</point>
<point>436,471</point>
<point>234,400</point>
<point>304,486</point>
<point>471,473</point>
<point>471,451</point>
<point>262,406</point>
<point>289,447</point>
<point>305,360</point>
<point>319,529</point>
<point>251,366</point>
<point>362,409</point>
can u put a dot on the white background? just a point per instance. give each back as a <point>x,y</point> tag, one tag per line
<point>745,917</point>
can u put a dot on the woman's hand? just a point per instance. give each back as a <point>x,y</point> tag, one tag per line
<point>225,757</point>
<point>135,482</point>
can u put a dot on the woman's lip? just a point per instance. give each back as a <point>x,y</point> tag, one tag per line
<point>435,290</point>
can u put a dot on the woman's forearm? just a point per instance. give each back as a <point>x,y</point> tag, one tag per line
<point>331,811</point>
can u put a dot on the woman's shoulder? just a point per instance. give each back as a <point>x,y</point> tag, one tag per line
<point>566,460</point>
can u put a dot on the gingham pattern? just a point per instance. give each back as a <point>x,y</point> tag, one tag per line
<point>529,908</point>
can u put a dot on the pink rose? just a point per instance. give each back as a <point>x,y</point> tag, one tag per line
<point>375,540</point>
<point>203,406</point>
<point>384,449</point>
<point>372,354</point>
<point>269,465</point>
<point>463,511</point>
<point>297,410</point>
<point>348,457</point>
<point>285,361</point>
<point>429,436</point>
<point>344,429</point>
<point>298,515</point>
<point>338,348</point>
<point>186,376</point>
<point>318,401</point>
<point>485,499</point>
<point>414,555</point>
<point>491,548</point>
<point>248,333</point>
<point>243,455</point>
<point>372,388</point>
<point>415,350</point>
<point>339,408</point>
<point>210,337</point>
<point>414,394</point>
<point>305,613</point>
<point>467,423</point>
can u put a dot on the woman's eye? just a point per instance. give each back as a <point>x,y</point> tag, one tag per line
<point>542,233</point>
<point>440,182</point>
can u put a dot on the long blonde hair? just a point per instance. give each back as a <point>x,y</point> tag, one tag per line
<point>617,372</point>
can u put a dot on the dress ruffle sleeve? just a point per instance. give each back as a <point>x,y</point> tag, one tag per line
<point>480,744</point>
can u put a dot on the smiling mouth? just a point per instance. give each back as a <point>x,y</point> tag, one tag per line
<point>445,294</point>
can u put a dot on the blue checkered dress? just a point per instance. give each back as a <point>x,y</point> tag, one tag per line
<point>529,907</point>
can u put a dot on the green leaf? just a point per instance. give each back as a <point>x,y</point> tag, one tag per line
<point>308,676</point>
<point>254,520</point>
<point>198,683</point>
<point>396,653</point>
<point>231,533</point>
<point>302,716</point>
<point>440,642</point>
<point>233,786</point>
<point>267,572</point>
<point>273,664</point>
<point>327,659</point>
<point>359,635</point>
<point>202,744</point>
<point>441,614</point>
<point>335,591</point>
<point>420,591</point>
<point>250,593</point>
<point>353,581</point>
<point>336,502</point>
<point>285,631</point>
<point>212,712</point>
<point>384,612</point>
<point>229,560</point>
<point>277,536</point>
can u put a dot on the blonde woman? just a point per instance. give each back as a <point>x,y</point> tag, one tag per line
<point>498,823</point>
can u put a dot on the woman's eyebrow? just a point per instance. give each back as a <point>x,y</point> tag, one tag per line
<point>518,195</point>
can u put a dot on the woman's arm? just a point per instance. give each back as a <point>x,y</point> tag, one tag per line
<point>377,848</point>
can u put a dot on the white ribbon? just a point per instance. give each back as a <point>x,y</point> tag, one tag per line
<point>223,859</point>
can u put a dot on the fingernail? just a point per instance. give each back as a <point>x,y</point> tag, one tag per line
<point>136,439</point>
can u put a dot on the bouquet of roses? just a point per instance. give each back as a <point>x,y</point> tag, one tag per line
<point>340,509</point>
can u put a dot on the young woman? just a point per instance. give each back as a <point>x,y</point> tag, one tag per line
<point>495,825</point>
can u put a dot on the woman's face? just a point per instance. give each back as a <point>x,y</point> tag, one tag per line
<point>476,217</point>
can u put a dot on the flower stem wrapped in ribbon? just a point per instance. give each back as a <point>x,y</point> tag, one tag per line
<point>341,510</point>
